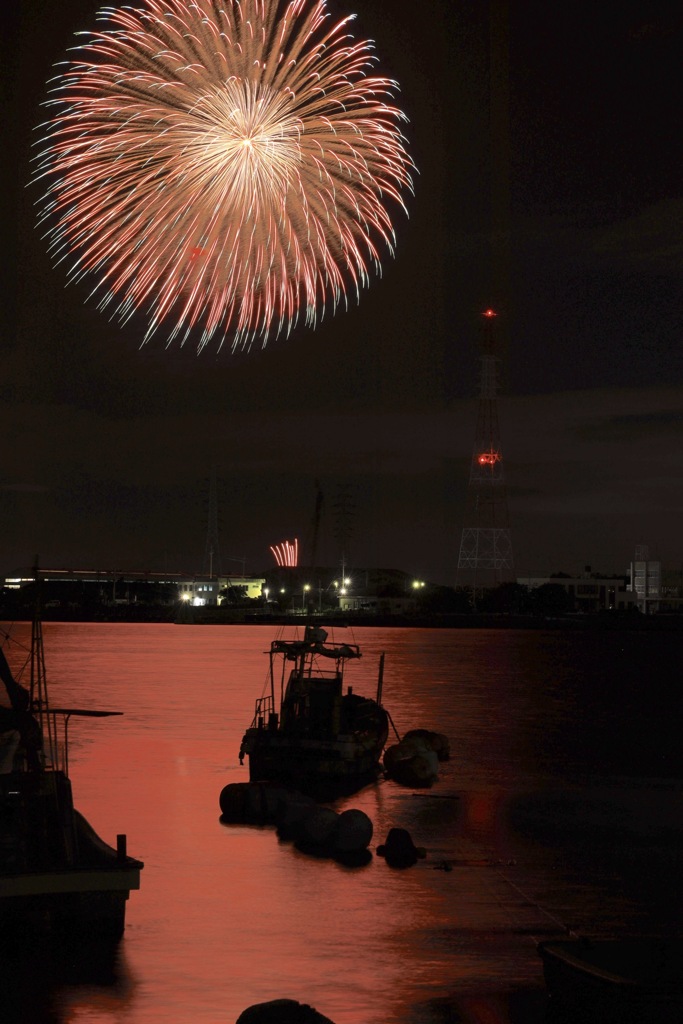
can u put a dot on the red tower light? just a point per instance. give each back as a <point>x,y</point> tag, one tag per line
<point>485,557</point>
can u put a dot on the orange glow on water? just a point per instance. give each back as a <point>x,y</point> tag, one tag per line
<point>480,810</point>
<point>482,1010</point>
<point>230,916</point>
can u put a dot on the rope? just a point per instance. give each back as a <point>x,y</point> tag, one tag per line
<point>392,725</point>
<point>533,933</point>
<point>559,925</point>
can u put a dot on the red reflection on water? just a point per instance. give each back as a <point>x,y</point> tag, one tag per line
<point>480,810</point>
<point>484,821</point>
<point>483,1010</point>
<point>230,916</point>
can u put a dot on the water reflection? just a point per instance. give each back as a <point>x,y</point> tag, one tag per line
<point>59,982</point>
<point>543,809</point>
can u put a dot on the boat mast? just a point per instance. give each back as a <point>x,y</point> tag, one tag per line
<point>380,679</point>
<point>38,680</point>
<point>272,680</point>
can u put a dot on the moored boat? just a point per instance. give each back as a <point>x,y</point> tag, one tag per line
<point>307,732</point>
<point>614,981</point>
<point>56,874</point>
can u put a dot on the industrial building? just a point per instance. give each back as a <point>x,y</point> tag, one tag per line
<point>590,592</point>
<point>85,588</point>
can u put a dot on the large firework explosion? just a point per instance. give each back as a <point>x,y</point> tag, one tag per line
<point>225,166</point>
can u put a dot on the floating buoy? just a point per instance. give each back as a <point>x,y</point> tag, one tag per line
<point>435,741</point>
<point>411,763</point>
<point>399,851</point>
<point>232,801</point>
<point>282,1011</point>
<point>293,808</point>
<point>251,803</point>
<point>262,802</point>
<point>354,831</point>
<point>317,830</point>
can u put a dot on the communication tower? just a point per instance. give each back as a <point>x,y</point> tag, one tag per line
<point>485,558</point>
<point>344,513</point>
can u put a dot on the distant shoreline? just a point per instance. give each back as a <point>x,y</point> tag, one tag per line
<point>182,615</point>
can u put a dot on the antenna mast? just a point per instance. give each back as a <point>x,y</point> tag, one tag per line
<point>485,558</point>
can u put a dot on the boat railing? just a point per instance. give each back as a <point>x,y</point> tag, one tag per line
<point>265,708</point>
<point>60,747</point>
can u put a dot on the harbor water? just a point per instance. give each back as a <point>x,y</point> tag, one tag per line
<point>559,810</point>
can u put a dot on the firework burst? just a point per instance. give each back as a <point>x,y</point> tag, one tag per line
<point>225,166</point>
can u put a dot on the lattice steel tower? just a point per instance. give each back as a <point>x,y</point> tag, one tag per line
<point>485,558</point>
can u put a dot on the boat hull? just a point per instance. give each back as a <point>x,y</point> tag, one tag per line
<point>614,981</point>
<point>324,769</point>
<point>73,905</point>
<point>56,873</point>
<point>323,740</point>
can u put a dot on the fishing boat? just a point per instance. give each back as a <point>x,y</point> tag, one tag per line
<point>309,733</point>
<point>614,981</point>
<point>57,876</point>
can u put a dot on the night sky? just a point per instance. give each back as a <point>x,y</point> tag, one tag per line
<point>550,189</point>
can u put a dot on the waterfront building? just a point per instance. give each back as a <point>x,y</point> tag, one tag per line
<point>80,587</point>
<point>646,580</point>
<point>589,593</point>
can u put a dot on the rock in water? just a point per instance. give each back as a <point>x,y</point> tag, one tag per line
<point>282,1011</point>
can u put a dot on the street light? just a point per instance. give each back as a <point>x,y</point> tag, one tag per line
<point>307,587</point>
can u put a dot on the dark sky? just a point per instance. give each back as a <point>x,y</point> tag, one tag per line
<point>569,222</point>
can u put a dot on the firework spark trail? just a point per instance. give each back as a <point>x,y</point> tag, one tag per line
<point>286,553</point>
<point>222,165</point>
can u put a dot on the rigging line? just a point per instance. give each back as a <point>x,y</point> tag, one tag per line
<point>7,636</point>
<point>392,725</point>
<point>532,931</point>
<point>530,901</point>
<point>489,887</point>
